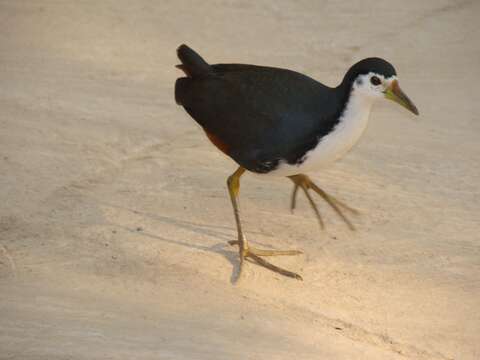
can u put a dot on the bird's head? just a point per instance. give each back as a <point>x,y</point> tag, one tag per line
<point>376,78</point>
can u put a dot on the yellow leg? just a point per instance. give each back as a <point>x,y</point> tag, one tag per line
<point>245,251</point>
<point>303,181</point>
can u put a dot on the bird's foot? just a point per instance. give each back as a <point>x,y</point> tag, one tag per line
<point>256,255</point>
<point>303,181</point>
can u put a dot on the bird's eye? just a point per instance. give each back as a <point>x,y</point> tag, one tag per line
<point>375,80</point>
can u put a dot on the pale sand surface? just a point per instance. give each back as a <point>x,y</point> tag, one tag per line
<point>114,216</point>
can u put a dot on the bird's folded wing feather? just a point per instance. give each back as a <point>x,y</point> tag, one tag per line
<point>262,114</point>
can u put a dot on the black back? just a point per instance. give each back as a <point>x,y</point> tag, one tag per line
<point>262,114</point>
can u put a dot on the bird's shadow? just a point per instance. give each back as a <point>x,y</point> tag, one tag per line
<point>223,233</point>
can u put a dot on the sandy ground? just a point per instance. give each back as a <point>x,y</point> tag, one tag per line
<point>114,216</point>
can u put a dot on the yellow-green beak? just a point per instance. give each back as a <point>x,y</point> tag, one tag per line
<point>393,92</point>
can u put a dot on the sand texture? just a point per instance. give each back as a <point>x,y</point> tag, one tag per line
<point>114,214</point>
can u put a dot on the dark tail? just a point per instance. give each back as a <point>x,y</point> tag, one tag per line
<point>192,64</point>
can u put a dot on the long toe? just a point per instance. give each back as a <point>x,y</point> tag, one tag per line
<point>256,255</point>
<point>273,268</point>
<point>306,184</point>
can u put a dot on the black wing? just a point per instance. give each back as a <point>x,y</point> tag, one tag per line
<point>262,114</point>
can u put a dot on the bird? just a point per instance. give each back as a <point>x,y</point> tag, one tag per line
<point>278,122</point>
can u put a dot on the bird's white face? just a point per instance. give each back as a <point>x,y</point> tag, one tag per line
<point>374,86</point>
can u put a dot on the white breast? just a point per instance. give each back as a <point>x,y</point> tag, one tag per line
<point>335,145</point>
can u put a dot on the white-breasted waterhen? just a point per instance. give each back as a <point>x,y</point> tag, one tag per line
<point>279,122</point>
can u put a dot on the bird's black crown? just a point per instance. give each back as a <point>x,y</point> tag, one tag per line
<point>365,66</point>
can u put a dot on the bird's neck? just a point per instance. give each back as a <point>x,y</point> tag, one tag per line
<point>352,122</point>
<point>354,104</point>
